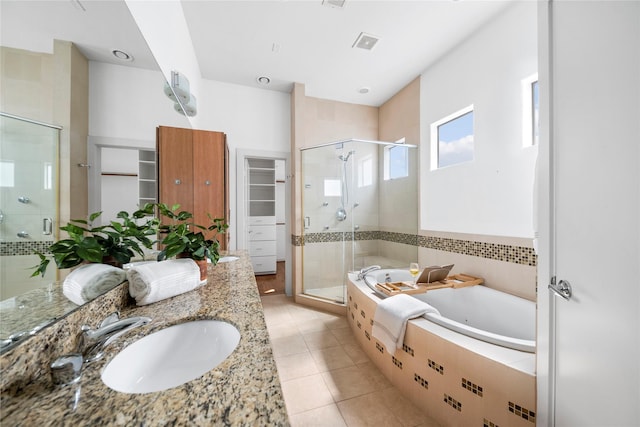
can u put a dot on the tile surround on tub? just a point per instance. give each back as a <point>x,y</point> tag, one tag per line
<point>478,246</point>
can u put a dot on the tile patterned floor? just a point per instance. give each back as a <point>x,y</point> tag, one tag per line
<point>327,380</point>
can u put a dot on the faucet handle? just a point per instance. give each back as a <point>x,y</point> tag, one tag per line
<point>112,318</point>
<point>67,369</point>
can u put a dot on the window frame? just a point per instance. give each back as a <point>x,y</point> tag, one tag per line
<point>435,139</point>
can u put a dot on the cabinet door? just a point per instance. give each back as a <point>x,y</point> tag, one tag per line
<point>209,177</point>
<point>175,169</point>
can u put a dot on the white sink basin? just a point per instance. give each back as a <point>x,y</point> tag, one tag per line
<point>171,356</point>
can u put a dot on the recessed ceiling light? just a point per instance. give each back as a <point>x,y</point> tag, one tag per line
<point>366,41</point>
<point>364,90</point>
<point>263,80</point>
<point>121,55</point>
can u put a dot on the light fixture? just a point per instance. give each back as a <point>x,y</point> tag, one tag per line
<point>179,88</point>
<point>122,55</point>
<point>189,109</point>
<point>338,4</point>
<point>364,90</point>
<point>263,80</point>
<point>178,92</point>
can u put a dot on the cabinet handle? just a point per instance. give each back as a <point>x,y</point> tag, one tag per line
<point>177,182</point>
<point>207,182</point>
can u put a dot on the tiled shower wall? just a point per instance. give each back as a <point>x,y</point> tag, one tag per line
<point>507,264</point>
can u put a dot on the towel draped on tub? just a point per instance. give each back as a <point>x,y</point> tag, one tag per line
<point>391,317</point>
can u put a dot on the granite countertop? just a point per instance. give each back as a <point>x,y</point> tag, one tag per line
<point>242,390</point>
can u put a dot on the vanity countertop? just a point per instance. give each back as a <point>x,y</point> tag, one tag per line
<point>242,390</point>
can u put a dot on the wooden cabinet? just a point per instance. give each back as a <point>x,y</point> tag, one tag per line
<point>193,171</point>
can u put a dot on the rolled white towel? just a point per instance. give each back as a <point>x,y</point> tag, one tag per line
<point>90,281</point>
<point>153,282</point>
<point>391,317</point>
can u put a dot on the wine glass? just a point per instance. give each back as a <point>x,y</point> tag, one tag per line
<point>414,269</point>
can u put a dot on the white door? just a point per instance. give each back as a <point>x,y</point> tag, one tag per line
<point>594,339</point>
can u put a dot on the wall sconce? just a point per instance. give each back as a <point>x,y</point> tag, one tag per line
<point>178,92</point>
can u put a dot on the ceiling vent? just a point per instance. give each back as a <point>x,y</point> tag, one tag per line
<point>366,41</point>
<point>334,3</point>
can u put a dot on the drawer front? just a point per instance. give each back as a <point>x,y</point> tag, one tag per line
<point>262,220</point>
<point>262,264</point>
<point>262,248</point>
<point>262,232</point>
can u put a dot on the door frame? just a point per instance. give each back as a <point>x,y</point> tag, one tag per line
<point>241,203</point>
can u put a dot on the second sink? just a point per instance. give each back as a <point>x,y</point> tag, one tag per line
<point>171,356</point>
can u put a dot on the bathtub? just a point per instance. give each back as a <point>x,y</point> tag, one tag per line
<point>476,311</point>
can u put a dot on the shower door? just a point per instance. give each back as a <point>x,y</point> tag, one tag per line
<point>28,201</point>
<point>328,221</point>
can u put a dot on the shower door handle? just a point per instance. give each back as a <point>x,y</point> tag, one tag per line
<point>307,222</point>
<point>562,288</point>
<point>47,226</point>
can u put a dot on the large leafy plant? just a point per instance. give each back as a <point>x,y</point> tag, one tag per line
<point>182,237</point>
<point>116,242</point>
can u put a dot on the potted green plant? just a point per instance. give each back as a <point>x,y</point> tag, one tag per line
<point>115,243</point>
<point>182,238</point>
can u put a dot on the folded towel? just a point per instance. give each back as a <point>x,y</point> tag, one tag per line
<point>391,317</point>
<point>153,282</point>
<point>90,281</point>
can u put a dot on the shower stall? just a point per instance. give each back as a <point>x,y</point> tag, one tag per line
<point>359,204</point>
<point>28,200</point>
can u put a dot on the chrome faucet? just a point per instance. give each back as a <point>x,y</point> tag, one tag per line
<point>92,342</point>
<point>364,271</point>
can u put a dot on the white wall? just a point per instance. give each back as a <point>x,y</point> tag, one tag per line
<point>493,194</point>
<point>127,104</point>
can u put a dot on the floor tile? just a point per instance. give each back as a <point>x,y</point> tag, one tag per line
<point>331,358</point>
<point>347,383</point>
<point>288,345</point>
<point>306,393</point>
<point>367,411</point>
<point>296,366</point>
<point>355,353</point>
<point>320,339</point>
<point>327,416</point>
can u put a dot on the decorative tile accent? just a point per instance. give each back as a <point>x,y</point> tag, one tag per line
<point>396,362</point>
<point>407,349</point>
<point>362,313</point>
<point>521,412</point>
<point>24,248</point>
<point>355,305</point>
<point>507,253</point>
<point>359,325</point>
<point>452,402</point>
<point>424,383</point>
<point>353,317</point>
<point>380,347</point>
<point>371,322</point>
<point>438,368</point>
<point>366,334</point>
<point>473,388</point>
<point>488,423</point>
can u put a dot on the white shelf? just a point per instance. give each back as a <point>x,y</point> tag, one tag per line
<point>261,192</point>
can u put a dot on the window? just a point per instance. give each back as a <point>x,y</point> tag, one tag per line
<point>7,173</point>
<point>332,188</point>
<point>530,111</point>
<point>452,139</point>
<point>365,172</point>
<point>396,161</point>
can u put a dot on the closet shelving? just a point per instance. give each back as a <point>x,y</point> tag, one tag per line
<point>262,214</point>
<point>147,187</point>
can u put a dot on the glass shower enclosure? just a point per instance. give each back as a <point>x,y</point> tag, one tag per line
<point>359,203</point>
<point>28,201</point>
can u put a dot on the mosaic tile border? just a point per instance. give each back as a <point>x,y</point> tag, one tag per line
<point>24,248</point>
<point>499,252</point>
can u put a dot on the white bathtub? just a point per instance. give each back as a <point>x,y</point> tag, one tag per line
<point>476,311</point>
